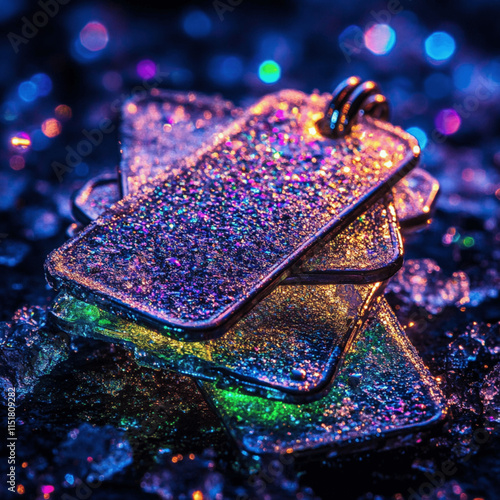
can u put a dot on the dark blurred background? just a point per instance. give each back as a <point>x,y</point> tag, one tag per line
<point>66,67</point>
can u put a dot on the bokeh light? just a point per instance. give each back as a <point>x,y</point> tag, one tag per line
<point>146,69</point>
<point>131,108</point>
<point>63,112</point>
<point>448,121</point>
<point>43,83</point>
<point>51,127</point>
<point>16,162</point>
<point>468,241</point>
<point>380,39</point>
<point>462,75</point>
<point>27,91</point>
<point>197,24</point>
<point>94,36</point>
<point>269,71</point>
<point>440,46</point>
<point>419,134</point>
<point>226,70</point>
<point>47,489</point>
<point>20,141</point>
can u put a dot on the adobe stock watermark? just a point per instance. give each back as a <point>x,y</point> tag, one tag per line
<point>93,138</point>
<point>11,439</point>
<point>356,43</point>
<point>222,6</point>
<point>40,19</point>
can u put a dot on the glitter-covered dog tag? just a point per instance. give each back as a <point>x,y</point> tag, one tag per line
<point>192,253</point>
<point>415,197</point>
<point>95,197</point>
<point>369,249</point>
<point>381,389</point>
<point>165,127</point>
<point>161,129</point>
<point>288,347</point>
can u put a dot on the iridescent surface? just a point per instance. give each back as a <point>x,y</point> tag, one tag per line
<point>96,196</point>
<point>292,341</point>
<point>415,196</point>
<point>369,249</point>
<point>370,246</point>
<point>382,387</point>
<point>194,252</point>
<point>165,127</point>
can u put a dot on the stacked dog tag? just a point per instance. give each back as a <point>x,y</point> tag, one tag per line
<point>249,249</point>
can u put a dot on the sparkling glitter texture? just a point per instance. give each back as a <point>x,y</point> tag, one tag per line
<point>166,127</point>
<point>414,197</point>
<point>162,129</point>
<point>193,252</point>
<point>423,283</point>
<point>381,388</point>
<point>290,342</point>
<point>96,196</point>
<point>370,247</point>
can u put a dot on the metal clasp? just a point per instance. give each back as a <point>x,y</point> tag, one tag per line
<point>350,99</point>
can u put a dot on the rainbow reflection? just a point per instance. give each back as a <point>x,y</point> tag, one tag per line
<point>146,69</point>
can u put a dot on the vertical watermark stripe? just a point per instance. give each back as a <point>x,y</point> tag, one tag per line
<point>11,439</point>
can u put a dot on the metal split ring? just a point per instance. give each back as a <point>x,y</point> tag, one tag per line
<point>350,99</point>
